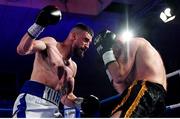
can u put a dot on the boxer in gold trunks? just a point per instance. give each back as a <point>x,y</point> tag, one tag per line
<point>137,72</point>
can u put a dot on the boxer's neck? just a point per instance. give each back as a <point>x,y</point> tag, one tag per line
<point>64,50</point>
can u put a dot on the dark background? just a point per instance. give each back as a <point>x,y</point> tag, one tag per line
<point>91,77</point>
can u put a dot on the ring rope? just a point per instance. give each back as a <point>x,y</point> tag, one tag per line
<point>173,73</point>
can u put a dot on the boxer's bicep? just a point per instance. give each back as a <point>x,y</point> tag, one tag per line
<point>37,45</point>
<point>42,44</point>
<point>28,45</point>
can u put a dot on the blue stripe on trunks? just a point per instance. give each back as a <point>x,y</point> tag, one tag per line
<point>21,108</point>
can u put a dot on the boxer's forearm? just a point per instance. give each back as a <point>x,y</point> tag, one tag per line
<point>45,17</point>
<point>25,44</point>
<point>29,45</point>
<point>116,71</point>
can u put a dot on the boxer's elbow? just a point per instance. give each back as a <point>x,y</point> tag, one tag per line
<point>21,50</point>
<point>68,100</point>
<point>117,77</point>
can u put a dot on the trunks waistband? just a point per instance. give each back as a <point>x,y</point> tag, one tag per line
<point>42,91</point>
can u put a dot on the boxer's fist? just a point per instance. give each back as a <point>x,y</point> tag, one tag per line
<point>90,105</point>
<point>49,15</point>
<point>104,41</point>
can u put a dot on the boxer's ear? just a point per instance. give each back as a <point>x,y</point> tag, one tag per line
<point>74,35</point>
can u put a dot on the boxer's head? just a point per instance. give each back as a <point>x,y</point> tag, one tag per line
<point>82,38</point>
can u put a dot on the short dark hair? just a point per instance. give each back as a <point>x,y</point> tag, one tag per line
<point>85,28</point>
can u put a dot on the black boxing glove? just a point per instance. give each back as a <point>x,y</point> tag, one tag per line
<point>103,44</point>
<point>49,15</point>
<point>90,105</point>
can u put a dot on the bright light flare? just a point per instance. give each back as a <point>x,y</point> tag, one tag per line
<point>127,35</point>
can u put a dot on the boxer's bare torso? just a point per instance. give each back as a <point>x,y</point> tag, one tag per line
<point>51,69</point>
<point>53,65</point>
<point>138,61</point>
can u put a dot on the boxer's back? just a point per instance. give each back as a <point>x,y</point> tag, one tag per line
<point>141,62</point>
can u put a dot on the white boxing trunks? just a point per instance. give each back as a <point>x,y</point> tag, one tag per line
<point>37,100</point>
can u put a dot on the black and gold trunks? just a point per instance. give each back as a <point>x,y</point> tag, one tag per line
<point>142,99</point>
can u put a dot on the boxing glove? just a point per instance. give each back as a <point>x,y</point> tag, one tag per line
<point>49,15</point>
<point>103,44</point>
<point>90,105</point>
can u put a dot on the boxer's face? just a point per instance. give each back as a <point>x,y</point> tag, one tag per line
<point>82,43</point>
<point>117,48</point>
